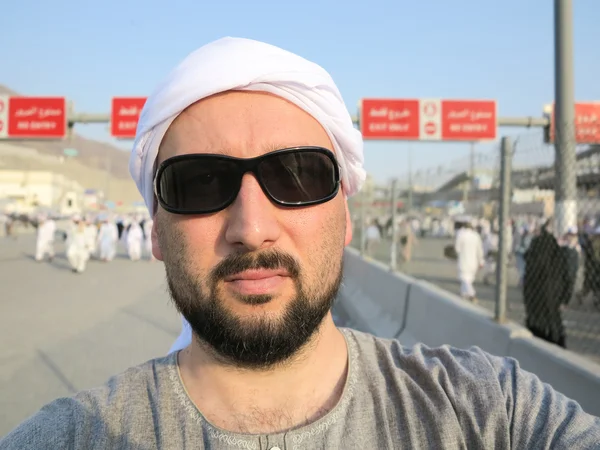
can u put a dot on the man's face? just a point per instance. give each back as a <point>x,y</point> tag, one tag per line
<point>254,280</point>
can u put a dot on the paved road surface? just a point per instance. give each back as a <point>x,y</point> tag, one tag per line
<point>62,332</point>
<point>428,263</point>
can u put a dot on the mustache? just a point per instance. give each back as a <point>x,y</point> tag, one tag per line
<point>269,259</point>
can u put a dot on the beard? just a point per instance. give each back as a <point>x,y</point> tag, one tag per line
<point>260,342</point>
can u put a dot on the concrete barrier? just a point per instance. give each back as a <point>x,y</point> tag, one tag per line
<point>393,305</point>
<point>437,317</point>
<point>372,297</point>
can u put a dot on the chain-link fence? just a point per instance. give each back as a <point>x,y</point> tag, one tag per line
<point>555,245</point>
<point>551,280</point>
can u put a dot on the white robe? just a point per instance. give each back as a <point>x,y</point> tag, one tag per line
<point>91,234</point>
<point>134,238</point>
<point>78,251</point>
<point>469,249</point>
<point>45,240</point>
<point>108,236</point>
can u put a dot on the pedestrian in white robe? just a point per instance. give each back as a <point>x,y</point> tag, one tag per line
<point>490,254</point>
<point>135,237</point>
<point>108,237</point>
<point>91,233</point>
<point>78,252</point>
<point>469,250</point>
<point>372,238</point>
<point>45,238</point>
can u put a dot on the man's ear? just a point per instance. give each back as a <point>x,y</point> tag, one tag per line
<point>348,224</point>
<point>154,236</point>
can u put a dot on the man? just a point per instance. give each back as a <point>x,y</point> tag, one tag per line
<point>490,253</point>
<point>250,151</point>
<point>91,234</point>
<point>134,239</point>
<point>45,238</point>
<point>372,237</point>
<point>469,251</point>
<point>77,245</point>
<point>108,237</point>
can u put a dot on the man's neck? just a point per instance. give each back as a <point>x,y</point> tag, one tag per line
<point>289,396</point>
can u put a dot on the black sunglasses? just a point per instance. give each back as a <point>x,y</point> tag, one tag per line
<point>207,183</point>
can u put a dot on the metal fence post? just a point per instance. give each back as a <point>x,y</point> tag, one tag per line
<point>504,216</point>
<point>363,219</point>
<point>565,163</point>
<point>394,249</point>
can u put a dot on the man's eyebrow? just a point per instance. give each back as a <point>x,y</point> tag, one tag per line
<point>275,146</point>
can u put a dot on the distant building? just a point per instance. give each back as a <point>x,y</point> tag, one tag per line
<point>93,199</point>
<point>28,190</point>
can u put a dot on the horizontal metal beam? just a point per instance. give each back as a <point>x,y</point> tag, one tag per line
<point>88,118</point>
<point>523,122</point>
<point>527,122</point>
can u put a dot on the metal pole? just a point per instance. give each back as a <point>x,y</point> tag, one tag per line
<point>394,249</point>
<point>505,198</point>
<point>363,219</point>
<point>565,162</point>
<point>108,171</point>
<point>472,166</point>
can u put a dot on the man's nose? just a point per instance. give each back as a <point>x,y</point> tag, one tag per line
<point>252,218</point>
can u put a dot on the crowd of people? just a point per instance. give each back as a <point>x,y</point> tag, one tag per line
<point>94,237</point>
<point>554,271</point>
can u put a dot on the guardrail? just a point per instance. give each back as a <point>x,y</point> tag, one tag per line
<point>393,305</point>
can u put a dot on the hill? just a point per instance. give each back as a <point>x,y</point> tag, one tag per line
<point>92,167</point>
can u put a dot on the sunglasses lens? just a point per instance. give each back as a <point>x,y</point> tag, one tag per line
<point>198,185</point>
<point>299,177</point>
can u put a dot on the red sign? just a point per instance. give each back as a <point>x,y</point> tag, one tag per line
<point>468,120</point>
<point>124,116</point>
<point>428,119</point>
<point>389,119</point>
<point>587,123</point>
<point>34,118</point>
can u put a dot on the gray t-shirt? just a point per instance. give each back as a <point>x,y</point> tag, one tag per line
<point>394,398</point>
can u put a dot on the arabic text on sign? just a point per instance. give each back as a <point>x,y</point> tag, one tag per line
<point>131,111</point>
<point>50,113</point>
<point>26,112</point>
<point>381,112</point>
<point>481,115</point>
<point>472,115</point>
<point>131,125</point>
<point>390,114</point>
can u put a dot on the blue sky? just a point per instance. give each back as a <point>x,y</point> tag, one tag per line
<point>503,50</point>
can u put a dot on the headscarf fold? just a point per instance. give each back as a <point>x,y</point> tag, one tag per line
<point>243,64</point>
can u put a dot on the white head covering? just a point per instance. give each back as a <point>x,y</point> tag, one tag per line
<point>243,64</point>
<point>572,230</point>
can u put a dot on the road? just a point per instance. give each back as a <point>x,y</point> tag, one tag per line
<point>62,332</point>
<point>428,263</point>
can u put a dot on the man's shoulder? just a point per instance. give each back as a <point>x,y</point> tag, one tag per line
<point>449,369</point>
<point>135,384</point>
<point>393,350</point>
<point>70,422</point>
